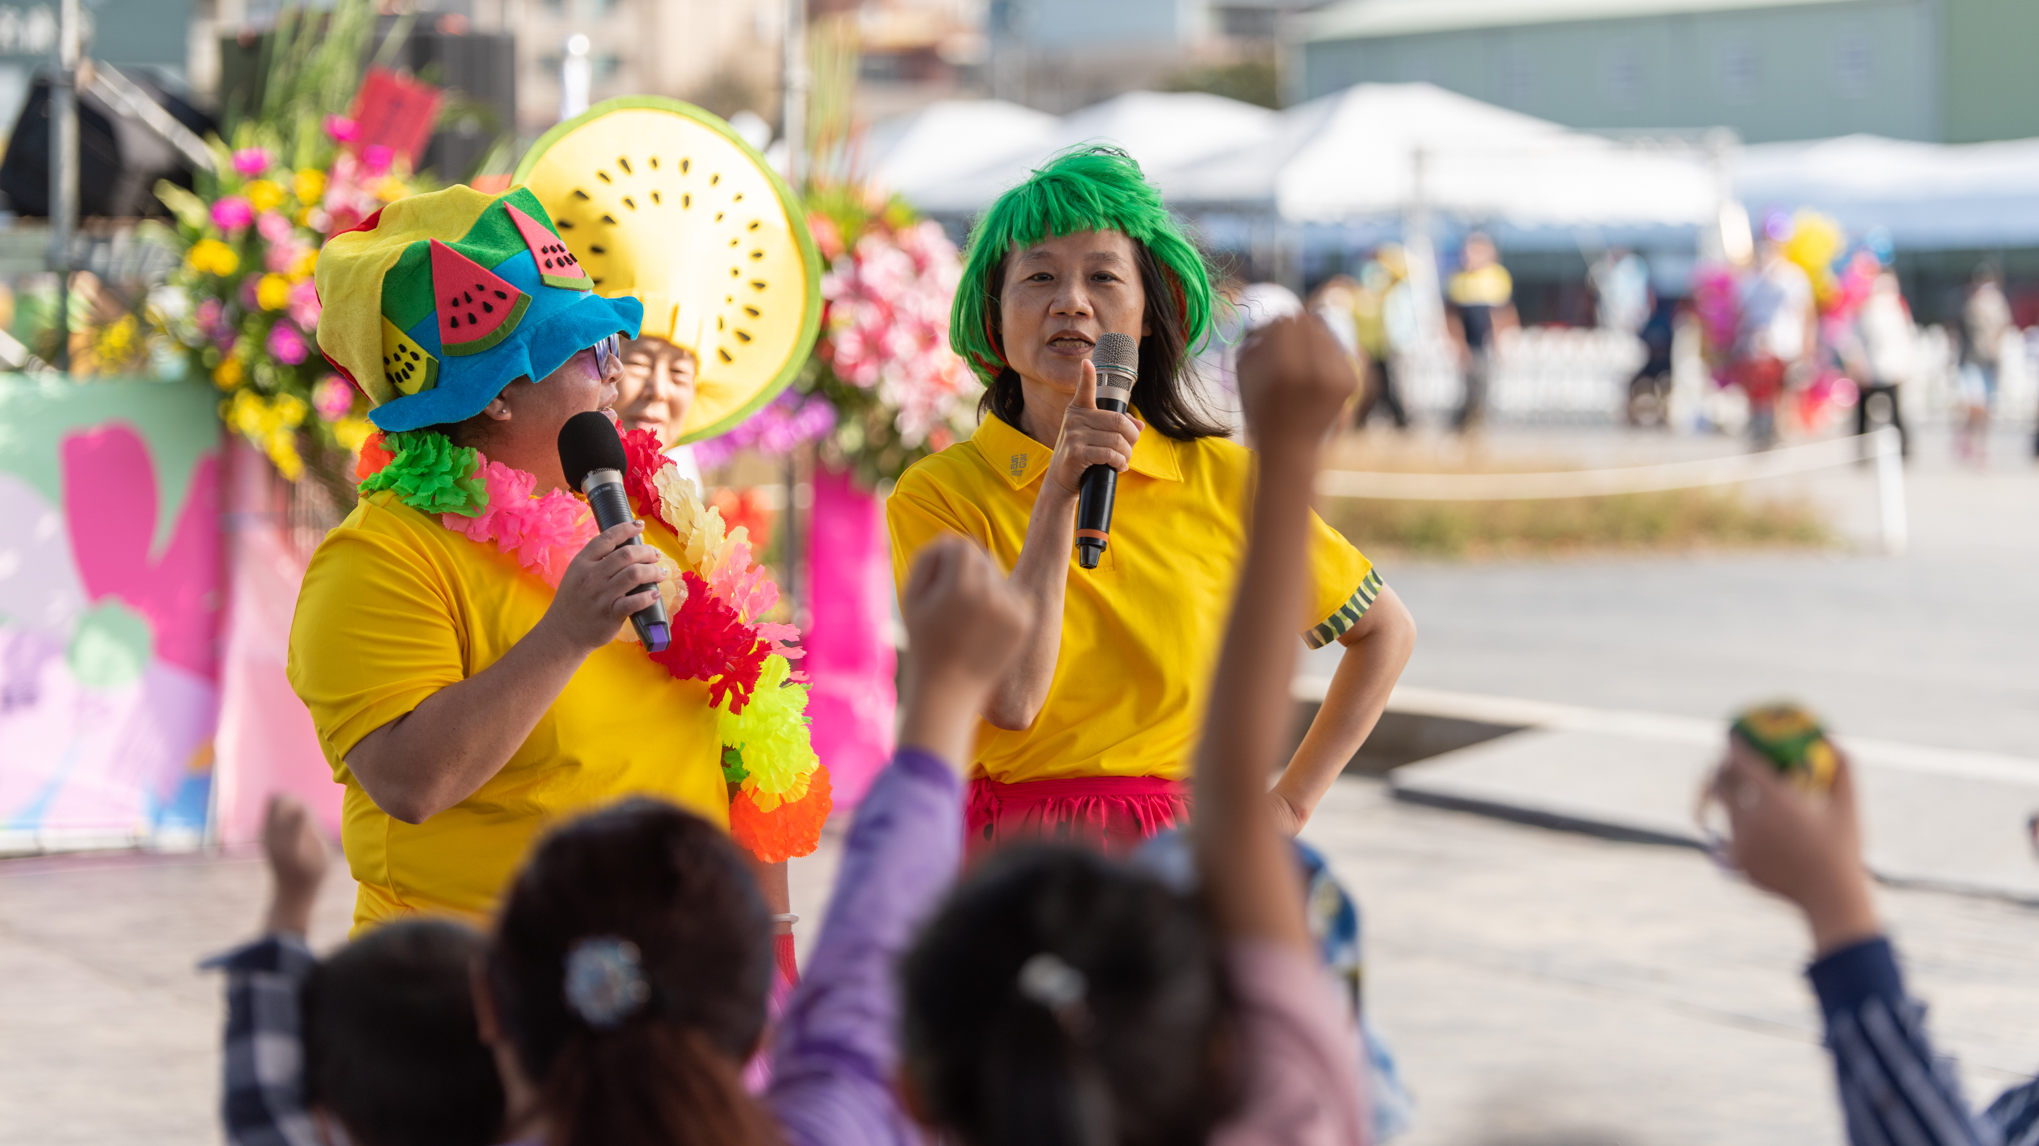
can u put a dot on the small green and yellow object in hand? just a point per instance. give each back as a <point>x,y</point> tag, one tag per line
<point>1791,739</point>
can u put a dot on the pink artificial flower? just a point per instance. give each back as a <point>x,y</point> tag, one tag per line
<point>251,161</point>
<point>333,398</point>
<point>232,213</point>
<point>209,314</point>
<point>342,129</point>
<point>274,226</point>
<point>304,304</point>
<point>282,258</point>
<point>250,285</point>
<point>376,158</point>
<point>286,345</point>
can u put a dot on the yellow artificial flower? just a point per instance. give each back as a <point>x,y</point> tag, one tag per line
<point>212,257</point>
<point>264,194</point>
<point>308,185</point>
<point>700,527</point>
<point>229,374</point>
<point>389,189</point>
<point>270,423</point>
<point>305,264</point>
<point>273,292</point>
<point>351,432</point>
<point>116,344</point>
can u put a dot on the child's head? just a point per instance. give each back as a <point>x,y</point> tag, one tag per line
<point>629,973</point>
<point>391,1051</point>
<point>1061,997</point>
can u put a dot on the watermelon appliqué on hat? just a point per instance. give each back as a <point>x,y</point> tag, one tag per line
<point>437,302</point>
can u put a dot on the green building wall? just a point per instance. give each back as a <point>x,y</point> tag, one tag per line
<point>1952,70</point>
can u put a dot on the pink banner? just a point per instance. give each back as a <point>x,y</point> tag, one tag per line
<point>850,658</point>
<point>266,744</point>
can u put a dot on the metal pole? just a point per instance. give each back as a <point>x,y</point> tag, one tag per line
<point>64,171</point>
<point>1889,447</point>
<point>793,87</point>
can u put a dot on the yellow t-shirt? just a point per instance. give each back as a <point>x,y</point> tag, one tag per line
<point>396,607</point>
<point>1140,633</point>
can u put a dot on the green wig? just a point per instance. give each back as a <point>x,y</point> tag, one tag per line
<point>1091,188</point>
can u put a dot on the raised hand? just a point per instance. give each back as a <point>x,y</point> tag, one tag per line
<point>1293,380</point>
<point>297,859</point>
<point>1090,437</point>
<point>1806,848</point>
<point>964,626</point>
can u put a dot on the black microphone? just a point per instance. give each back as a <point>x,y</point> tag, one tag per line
<point>1116,358</point>
<point>592,457</point>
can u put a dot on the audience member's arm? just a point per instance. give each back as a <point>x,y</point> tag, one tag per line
<point>263,1049</point>
<point>836,1050</point>
<point>1292,382</point>
<point>1807,849</point>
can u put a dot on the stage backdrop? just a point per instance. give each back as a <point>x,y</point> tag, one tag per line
<point>110,600</point>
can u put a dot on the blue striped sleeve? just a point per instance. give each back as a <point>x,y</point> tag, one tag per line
<point>1894,1089</point>
<point>263,1051</point>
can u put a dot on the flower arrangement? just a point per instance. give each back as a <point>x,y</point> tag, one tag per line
<point>240,312</point>
<point>882,389</point>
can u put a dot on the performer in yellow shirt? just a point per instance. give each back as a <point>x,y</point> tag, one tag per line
<point>1089,736</point>
<point>460,638</point>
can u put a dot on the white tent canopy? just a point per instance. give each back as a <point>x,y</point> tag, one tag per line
<point>948,138</point>
<point>1926,195</point>
<point>1161,130</point>
<point>1356,154</point>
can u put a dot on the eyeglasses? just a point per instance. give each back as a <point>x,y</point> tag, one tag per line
<point>607,351</point>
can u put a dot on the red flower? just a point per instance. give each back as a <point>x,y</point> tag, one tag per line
<point>711,643</point>
<point>646,455</point>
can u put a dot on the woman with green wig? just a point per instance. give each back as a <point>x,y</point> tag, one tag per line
<point>1089,735</point>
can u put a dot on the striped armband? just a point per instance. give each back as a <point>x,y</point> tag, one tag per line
<point>1348,614</point>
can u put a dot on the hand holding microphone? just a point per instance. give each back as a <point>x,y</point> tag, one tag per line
<point>1096,442</point>
<point>614,575</point>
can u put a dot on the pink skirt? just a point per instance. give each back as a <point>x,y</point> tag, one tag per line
<point>1112,813</point>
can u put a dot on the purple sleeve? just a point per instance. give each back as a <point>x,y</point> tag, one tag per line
<point>837,1048</point>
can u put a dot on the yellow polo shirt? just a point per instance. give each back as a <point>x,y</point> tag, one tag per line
<point>1140,633</point>
<point>396,607</point>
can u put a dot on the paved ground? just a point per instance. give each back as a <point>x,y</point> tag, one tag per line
<point>1940,647</point>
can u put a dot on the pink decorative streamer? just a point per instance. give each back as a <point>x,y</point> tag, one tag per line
<point>850,657</point>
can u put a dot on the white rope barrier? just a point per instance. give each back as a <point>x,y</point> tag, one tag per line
<point>1882,445</point>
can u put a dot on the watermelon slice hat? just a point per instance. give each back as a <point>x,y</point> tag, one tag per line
<point>436,302</point>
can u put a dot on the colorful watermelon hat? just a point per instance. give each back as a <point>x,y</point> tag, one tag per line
<point>663,201</point>
<point>435,303</point>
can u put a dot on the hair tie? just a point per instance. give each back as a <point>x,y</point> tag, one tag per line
<point>1049,980</point>
<point>605,981</point>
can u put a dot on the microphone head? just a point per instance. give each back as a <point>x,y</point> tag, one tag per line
<point>588,442</point>
<point>1117,352</point>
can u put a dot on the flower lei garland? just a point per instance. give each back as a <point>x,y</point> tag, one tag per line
<point>782,794</point>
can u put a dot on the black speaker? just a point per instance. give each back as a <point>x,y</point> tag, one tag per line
<point>478,73</point>
<point>119,159</point>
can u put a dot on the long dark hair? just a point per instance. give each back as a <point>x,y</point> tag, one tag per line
<point>669,1074</point>
<point>1162,393</point>
<point>1146,1057</point>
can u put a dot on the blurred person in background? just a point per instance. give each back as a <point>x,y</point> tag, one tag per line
<point>1338,302</point>
<point>1774,339</point>
<point>1620,281</point>
<point>1882,352</point>
<point>1385,318</point>
<point>1985,320</point>
<point>655,393</point>
<point>1481,297</point>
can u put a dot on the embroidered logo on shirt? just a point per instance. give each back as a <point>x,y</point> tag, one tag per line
<point>1019,465</point>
